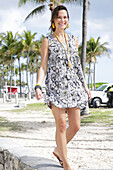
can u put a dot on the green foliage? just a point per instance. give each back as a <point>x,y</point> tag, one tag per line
<point>98,84</point>
<point>43,3</point>
<point>18,47</point>
<point>94,49</point>
<point>103,116</point>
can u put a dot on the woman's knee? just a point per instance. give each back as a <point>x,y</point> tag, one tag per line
<point>60,118</point>
<point>75,128</point>
<point>62,126</point>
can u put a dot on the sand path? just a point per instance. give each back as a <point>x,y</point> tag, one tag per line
<point>91,148</point>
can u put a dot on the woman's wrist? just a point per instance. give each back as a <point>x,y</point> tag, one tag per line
<point>38,86</point>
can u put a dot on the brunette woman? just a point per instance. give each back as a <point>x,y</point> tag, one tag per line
<point>66,90</point>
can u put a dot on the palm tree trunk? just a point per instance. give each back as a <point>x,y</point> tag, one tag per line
<point>11,77</point>
<point>94,76</point>
<point>0,89</point>
<point>32,78</point>
<point>84,41</point>
<point>14,76</point>
<point>27,72</point>
<point>37,69</point>
<point>20,77</point>
<point>84,35</point>
<point>3,75</point>
<point>91,83</point>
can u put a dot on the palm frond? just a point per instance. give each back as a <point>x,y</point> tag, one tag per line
<point>39,10</point>
<point>40,1</point>
<point>22,2</point>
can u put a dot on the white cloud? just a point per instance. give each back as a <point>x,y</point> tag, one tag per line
<point>102,28</point>
<point>12,20</point>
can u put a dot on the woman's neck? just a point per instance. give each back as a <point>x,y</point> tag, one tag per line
<point>60,33</point>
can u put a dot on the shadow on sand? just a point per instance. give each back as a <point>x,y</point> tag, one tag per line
<point>41,163</point>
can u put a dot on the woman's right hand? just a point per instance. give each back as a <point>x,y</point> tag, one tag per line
<point>38,94</point>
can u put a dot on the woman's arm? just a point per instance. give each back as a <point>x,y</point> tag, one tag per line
<point>85,85</point>
<point>43,67</point>
<point>86,88</point>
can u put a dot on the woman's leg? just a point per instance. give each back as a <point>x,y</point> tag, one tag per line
<point>74,123</point>
<point>60,119</point>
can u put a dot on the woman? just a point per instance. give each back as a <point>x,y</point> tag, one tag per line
<point>66,90</point>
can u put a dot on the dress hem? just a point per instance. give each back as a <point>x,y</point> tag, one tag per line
<point>80,107</point>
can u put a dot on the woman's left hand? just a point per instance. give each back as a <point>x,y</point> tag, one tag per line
<point>89,93</point>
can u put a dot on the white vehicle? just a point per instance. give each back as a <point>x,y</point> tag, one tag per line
<point>99,96</point>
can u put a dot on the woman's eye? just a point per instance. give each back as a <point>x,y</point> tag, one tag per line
<point>65,17</point>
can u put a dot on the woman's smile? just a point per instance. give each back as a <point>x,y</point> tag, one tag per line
<point>62,19</point>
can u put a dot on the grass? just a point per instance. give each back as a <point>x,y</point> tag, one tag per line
<point>104,116</point>
<point>2,119</point>
<point>5,125</point>
<point>32,107</point>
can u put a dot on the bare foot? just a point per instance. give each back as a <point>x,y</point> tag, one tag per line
<point>56,154</point>
<point>64,165</point>
<point>56,151</point>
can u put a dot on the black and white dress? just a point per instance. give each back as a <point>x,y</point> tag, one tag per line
<point>64,85</point>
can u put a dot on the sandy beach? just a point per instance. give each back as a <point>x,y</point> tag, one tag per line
<point>91,148</point>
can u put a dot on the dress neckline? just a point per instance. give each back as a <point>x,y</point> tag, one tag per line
<point>58,41</point>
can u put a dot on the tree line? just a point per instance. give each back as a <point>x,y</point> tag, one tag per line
<point>18,47</point>
<point>24,47</point>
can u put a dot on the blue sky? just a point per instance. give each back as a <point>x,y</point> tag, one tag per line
<point>100,23</point>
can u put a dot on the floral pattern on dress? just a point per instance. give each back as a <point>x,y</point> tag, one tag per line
<point>64,85</point>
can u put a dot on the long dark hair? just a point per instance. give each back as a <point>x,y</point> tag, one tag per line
<point>55,14</point>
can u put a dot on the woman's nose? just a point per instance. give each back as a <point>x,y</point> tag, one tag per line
<point>62,19</point>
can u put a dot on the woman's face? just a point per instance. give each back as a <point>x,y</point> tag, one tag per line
<point>61,20</point>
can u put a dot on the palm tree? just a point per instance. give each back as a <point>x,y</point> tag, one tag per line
<point>23,68</point>
<point>17,49</point>
<point>7,40</point>
<point>4,62</point>
<point>38,51</point>
<point>96,49</point>
<point>28,46</point>
<point>16,72</point>
<point>51,4</point>
<point>32,67</point>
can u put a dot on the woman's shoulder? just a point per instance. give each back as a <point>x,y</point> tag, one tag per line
<point>72,36</point>
<point>49,36</point>
<point>45,42</point>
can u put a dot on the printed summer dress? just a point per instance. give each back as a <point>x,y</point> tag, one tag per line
<point>64,85</point>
